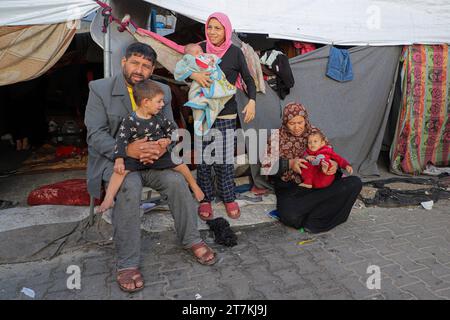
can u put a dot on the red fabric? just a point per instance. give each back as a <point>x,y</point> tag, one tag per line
<point>328,152</point>
<point>314,175</point>
<point>202,64</point>
<point>67,151</point>
<point>71,192</point>
<point>161,39</point>
<point>304,47</point>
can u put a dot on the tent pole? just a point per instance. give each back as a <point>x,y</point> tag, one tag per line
<point>107,50</point>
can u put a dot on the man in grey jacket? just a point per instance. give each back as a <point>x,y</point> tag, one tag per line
<point>110,100</point>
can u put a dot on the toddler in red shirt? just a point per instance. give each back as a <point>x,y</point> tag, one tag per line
<point>319,154</point>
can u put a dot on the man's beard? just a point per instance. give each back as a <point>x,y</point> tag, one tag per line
<point>128,78</point>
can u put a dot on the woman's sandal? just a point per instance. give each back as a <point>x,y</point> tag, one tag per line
<point>232,206</point>
<point>203,259</point>
<point>258,191</point>
<point>129,276</point>
<point>205,207</point>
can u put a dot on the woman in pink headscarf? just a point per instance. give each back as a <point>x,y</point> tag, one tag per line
<point>218,41</point>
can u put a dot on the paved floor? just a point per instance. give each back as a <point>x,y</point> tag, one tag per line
<point>411,246</point>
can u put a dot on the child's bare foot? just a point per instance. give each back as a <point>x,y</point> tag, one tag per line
<point>304,185</point>
<point>198,193</point>
<point>105,205</point>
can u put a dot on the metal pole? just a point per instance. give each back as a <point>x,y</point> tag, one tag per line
<point>107,51</point>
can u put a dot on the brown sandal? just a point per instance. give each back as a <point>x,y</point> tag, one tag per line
<point>203,259</point>
<point>129,276</point>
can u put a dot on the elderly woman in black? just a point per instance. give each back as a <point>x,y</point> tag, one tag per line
<point>316,210</point>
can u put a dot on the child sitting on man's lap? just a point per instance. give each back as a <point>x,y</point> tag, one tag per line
<point>146,121</point>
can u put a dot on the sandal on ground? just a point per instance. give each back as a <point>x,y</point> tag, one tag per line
<point>203,259</point>
<point>259,191</point>
<point>232,206</point>
<point>129,276</point>
<point>205,211</point>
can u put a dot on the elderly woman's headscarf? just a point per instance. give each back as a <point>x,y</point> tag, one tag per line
<point>291,146</point>
<point>225,22</point>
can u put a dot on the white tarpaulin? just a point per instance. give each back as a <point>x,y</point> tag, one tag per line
<point>347,22</point>
<point>351,22</point>
<point>28,12</point>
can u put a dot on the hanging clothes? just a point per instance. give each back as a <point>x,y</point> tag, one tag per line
<point>339,65</point>
<point>278,65</point>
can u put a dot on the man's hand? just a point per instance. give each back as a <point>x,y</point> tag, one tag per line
<point>202,78</point>
<point>119,166</point>
<point>146,151</point>
<point>163,143</point>
<point>327,169</point>
<point>296,165</point>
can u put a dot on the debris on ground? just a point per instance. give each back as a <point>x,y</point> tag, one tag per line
<point>28,292</point>
<point>306,241</point>
<point>402,192</point>
<point>427,205</point>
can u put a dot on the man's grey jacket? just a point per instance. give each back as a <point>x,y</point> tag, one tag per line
<point>108,103</point>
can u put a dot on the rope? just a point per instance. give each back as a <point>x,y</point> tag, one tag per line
<point>108,18</point>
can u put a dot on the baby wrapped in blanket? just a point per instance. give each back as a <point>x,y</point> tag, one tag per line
<point>206,103</point>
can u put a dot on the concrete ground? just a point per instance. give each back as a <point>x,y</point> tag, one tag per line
<point>411,247</point>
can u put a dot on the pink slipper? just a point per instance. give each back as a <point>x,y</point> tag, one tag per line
<point>232,206</point>
<point>205,207</point>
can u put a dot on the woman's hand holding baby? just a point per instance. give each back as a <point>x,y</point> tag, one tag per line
<point>296,165</point>
<point>349,169</point>
<point>202,78</point>
<point>327,169</point>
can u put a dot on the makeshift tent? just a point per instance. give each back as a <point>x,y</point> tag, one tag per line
<point>353,114</point>
<point>29,12</point>
<point>349,22</point>
<point>35,34</point>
